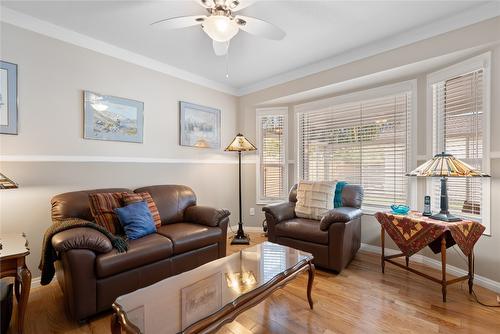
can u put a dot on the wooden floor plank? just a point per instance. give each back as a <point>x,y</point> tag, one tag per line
<point>359,300</point>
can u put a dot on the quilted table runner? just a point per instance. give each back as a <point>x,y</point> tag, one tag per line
<point>413,232</point>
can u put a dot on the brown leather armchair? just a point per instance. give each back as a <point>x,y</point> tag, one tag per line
<point>92,274</point>
<point>333,241</point>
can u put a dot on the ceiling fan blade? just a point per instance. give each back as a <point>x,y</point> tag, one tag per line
<point>206,3</point>
<point>179,22</point>
<point>220,48</point>
<point>259,27</point>
<point>236,5</point>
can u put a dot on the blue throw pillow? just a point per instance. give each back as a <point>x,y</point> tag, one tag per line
<point>337,200</point>
<point>136,219</point>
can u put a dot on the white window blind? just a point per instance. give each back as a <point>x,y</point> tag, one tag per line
<point>272,167</point>
<point>365,142</point>
<point>458,130</point>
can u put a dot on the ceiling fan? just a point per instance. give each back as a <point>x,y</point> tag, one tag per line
<point>221,24</point>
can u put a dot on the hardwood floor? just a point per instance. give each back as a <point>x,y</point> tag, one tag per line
<point>359,300</point>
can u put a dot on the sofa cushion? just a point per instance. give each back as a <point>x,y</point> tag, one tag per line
<point>187,236</point>
<point>146,250</point>
<point>76,204</point>
<point>102,206</point>
<point>134,198</point>
<point>171,201</point>
<point>302,229</point>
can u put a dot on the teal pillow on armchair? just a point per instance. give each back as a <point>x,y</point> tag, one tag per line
<point>337,200</point>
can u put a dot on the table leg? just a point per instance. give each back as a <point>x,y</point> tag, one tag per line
<point>407,258</point>
<point>443,266</point>
<point>471,270</point>
<point>311,272</point>
<point>382,246</point>
<point>23,285</point>
<point>116,328</point>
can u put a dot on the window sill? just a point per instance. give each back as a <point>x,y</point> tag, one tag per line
<point>263,203</point>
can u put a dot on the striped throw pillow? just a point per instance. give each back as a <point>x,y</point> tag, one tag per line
<point>146,197</point>
<point>102,206</point>
<point>314,198</point>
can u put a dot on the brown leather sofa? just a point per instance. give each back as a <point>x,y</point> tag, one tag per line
<point>92,274</point>
<point>333,241</point>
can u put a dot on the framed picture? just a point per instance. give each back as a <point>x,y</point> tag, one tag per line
<point>201,299</point>
<point>199,126</point>
<point>8,98</point>
<point>112,118</point>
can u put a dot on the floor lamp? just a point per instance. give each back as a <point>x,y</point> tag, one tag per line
<point>445,165</point>
<point>240,144</point>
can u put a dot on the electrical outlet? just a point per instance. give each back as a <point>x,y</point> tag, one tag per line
<point>252,211</point>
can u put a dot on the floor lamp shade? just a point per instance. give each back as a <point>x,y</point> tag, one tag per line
<point>240,144</point>
<point>6,183</point>
<point>445,165</point>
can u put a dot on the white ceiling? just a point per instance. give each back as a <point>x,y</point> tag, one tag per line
<point>316,32</point>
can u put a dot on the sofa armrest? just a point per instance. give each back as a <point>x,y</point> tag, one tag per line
<point>339,215</point>
<point>81,238</point>
<point>205,215</point>
<point>280,211</point>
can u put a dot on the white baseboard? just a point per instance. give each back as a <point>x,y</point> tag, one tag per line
<point>35,282</point>
<point>478,279</point>
<point>246,228</point>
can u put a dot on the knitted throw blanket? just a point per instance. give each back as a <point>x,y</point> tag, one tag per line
<point>49,255</point>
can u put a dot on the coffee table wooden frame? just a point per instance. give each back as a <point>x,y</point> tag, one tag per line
<point>210,324</point>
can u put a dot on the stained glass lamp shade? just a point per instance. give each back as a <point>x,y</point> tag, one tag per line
<point>445,165</point>
<point>240,144</point>
<point>6,183</point>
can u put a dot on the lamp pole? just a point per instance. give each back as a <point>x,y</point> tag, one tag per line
<point>240,238</point>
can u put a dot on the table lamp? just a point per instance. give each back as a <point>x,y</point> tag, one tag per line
<point>240,144</point>
<point>445,165</point>
<point>6,183</point>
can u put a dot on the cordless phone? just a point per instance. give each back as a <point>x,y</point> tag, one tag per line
<point>427,206</point>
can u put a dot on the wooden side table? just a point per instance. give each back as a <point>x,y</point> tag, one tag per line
<point>414,231</point>
<point>13,252</point>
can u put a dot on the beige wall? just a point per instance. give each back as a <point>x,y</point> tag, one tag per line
<point>52,75</point>
<point>481,37</point>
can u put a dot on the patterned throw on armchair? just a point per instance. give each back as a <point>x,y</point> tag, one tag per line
<point>333,239</point>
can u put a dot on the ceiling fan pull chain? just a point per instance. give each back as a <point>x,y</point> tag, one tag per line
<point>227,62</point>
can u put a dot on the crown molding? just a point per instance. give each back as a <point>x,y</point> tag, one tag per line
<point>481,13</point>
<point>460,20</point>
<point>69,36</point>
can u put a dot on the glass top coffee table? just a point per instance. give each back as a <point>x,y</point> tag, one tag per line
<point>202,300</point>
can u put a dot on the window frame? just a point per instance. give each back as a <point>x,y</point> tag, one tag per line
<point>271,111</point>
<point>482,61</point>
<point>368,94</point>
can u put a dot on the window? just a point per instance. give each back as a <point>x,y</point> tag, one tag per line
<point>459,116</point>
<point>363,138</point>
<point>272,176</point>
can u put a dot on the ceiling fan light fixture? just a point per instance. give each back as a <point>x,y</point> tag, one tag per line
<point>220,28</point>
